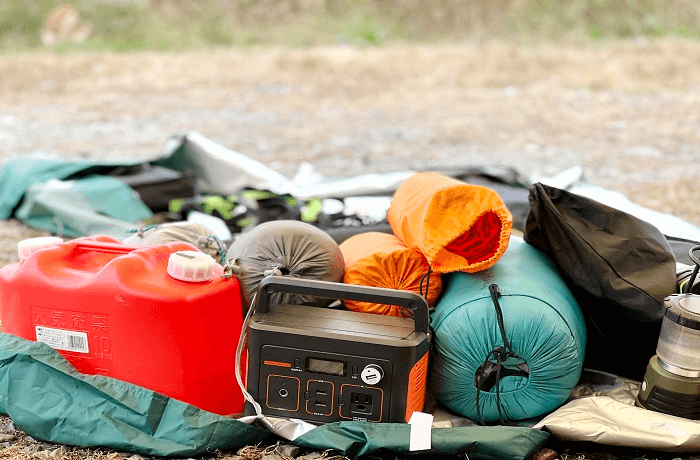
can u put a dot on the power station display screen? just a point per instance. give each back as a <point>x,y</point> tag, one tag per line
<point>325,366</point>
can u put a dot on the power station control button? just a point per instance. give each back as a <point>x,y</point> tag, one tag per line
<point>283,393</point>
<point>372,374</point>
<point>297,363</point>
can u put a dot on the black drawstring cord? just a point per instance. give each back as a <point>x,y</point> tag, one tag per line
<point>495,294</point>
<point>425,278</point>
<point>500,353</point>
<point>427,282</point>
<point>691,281</point>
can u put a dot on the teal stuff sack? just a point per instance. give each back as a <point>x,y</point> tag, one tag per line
<point>509,341</point>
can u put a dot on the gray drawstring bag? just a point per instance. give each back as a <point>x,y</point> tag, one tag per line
<point>286,248</point>
<point>196,234</point>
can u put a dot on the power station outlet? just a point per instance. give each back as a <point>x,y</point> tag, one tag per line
<point>361,403</point>
<point>320,397</point>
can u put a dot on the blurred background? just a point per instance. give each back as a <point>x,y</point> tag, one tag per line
<point>128,25</point>
<point>354,86</point>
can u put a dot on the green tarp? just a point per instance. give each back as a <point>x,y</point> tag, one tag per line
<point>88,206</point>
<point>478,442</point>
<point>19,173</point>
<point>48,399</point>
<point>69,197</point>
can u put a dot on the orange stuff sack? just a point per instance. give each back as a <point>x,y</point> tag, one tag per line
<point>382,260</point>
<point>455,225</point>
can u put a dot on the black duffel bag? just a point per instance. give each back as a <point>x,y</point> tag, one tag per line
<point>618,267</point>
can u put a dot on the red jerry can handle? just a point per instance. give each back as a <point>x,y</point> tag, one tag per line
<point>106,247</point>
<point>110,247</point>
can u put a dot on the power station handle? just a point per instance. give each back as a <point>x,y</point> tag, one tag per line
<point>341,291</point>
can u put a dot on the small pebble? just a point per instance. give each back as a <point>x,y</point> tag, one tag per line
<point>7,437</point>
<point>271,456</point>
<point>289,450</point>
<point>116,456</point>
<point>311,456</point>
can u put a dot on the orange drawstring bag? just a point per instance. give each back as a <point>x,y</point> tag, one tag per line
<point>455,225</point>
<point>382,260</point>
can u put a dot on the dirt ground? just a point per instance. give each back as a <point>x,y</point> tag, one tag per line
<point>627,113</point>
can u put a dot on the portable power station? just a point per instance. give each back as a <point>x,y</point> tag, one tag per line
<point>325,365</point>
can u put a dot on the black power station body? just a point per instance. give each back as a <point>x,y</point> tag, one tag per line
<point>325,364</point>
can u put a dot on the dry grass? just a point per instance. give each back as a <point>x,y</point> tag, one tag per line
<point>355,73</point>
<point>16,445</point>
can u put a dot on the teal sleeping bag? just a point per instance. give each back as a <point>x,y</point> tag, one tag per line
<point>509,341</point>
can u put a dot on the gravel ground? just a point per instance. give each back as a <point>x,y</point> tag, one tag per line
<point>628,114</point>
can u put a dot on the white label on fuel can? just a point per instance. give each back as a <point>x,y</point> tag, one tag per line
<point>60,339</point>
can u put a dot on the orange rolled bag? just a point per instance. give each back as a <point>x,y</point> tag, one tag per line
<point>382,260</point>
<point>455,225</point>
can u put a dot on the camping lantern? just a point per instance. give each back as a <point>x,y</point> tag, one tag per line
<point>672,380</point>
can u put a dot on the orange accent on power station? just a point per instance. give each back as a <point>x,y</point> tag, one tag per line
<point>277,363</point>
<point>415,397</point>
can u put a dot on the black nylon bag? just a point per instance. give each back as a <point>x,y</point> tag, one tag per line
<point>618,267</point>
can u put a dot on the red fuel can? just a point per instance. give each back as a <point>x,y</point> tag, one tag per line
<point>114,310</point>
